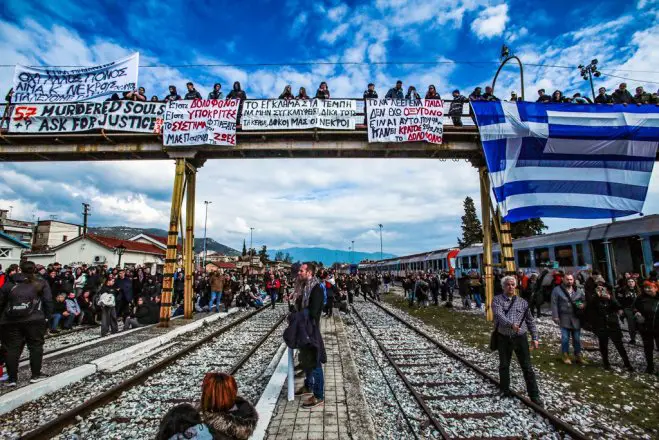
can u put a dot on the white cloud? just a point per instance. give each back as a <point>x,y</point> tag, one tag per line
<point>491,21</point>
<point>337,13</point>
<point>330,36</point>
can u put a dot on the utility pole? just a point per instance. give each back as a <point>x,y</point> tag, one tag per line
<point>587,73</point>
<point>251,236</point>
<point>380,225</point>
<point>206,202</point>
<point>85,215</point>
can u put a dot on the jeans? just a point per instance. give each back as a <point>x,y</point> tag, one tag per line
<point>54,320</point>
<point>520,345</point>
<point>132,323</point>
<point>315,381</point>
<point>273,298</point>
<point>565,340</point>
<point>216,298</point>
<point>477,298</point>
<point>68,321</point>
<point>15,337</point>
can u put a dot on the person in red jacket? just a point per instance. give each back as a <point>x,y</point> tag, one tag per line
<point>272,287</point>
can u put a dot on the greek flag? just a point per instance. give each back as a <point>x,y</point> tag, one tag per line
<point>568,160</point>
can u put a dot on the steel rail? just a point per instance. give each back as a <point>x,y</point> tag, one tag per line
<point>558,423</point>
<point>402,376</point>
<point>56,425</point>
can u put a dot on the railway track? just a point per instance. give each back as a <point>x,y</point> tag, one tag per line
<point>139,402</point>
<point>456,399</point>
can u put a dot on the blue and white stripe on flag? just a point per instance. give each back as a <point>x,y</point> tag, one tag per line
<point>568,160</point>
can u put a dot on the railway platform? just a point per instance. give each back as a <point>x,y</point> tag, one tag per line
<point>344,415</point>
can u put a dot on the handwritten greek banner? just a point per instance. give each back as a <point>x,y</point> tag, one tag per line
<point>201,122</point>
<point>299,114</point>
<point>402,120</point>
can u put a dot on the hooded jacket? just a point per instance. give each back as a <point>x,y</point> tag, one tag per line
<point>215,95</point>
<point>457,105</point>
<point>174,96</point>
<point>622,97</point>
<point>238,424</point>
<point>395,93</point>
<point>237,92</point>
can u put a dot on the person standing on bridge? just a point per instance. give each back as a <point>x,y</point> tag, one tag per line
<point>217,92</point>
<point>396,92</point>
<point>302,94</point>
<point>432,93</point>
<point>192,92</point>
<point>173,95</point>
<point>370,92</point>
<point>323,91</point>
<point>512,322</point>
<point>287,94</point>
<point>543,98</point>
<point>412,94</point>
<point>456,108</point>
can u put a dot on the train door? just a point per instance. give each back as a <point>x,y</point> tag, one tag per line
<point>628,253</point>
<point>599,256</point>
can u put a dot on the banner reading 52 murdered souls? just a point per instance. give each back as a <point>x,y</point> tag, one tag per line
<point>402,120</point>
<point>48,84</point>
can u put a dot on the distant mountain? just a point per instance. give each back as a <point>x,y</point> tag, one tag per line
<point>125,232</point>
<point>327,256</point>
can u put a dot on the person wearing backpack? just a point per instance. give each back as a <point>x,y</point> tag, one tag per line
<point>24,311</point>
<point>107,301</point>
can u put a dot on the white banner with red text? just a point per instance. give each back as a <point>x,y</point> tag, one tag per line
<point>201,122</point>
<point>402,120</point>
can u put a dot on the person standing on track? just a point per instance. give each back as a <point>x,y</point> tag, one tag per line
<point>272,286</point>
<point>216,280</point>
<point>25,306</point>
<point>646,312</point>
<point>513,322</point>
<point>566,302</point>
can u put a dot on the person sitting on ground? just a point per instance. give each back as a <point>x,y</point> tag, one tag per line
<point>370,92</point>
<point>217,92</point>
<point>192,92</point>
<point>302,94</point>
<point>140,317</point>
<point>287,94</point>
<point>602,97</point>
<point>412,94</point>
<point>74,313</point>
<point>396,92</point>
<point>87,308</point>
<point>432,93</point>
<point>173,95</point>
<point>183,422</point>
<point>323,91</point>
<point>237,92</point>
<point>59,310</point>
<point>543,97</point>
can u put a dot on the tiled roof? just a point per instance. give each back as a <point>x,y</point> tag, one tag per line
<point>131,246</point>
<point>224,265</point>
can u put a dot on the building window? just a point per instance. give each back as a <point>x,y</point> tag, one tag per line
<point>64,238</point>
<point>524,258</point>
<point>564,256</point>
<point>5,252</point>
<point>541,256</point>
<point>581,261</point>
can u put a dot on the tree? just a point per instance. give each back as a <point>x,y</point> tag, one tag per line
<point>472,230</point>
<point>279,256</point>
<point>523,228</point>
<point>288,258</point>
<point>263,254</point>
<point>244,248</point>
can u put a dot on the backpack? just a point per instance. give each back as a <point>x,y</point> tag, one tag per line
<point>23,300</point>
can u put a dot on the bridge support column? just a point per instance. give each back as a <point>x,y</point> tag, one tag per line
<point>188,251</point>
<point>487,242</point>
<point>172,241</point>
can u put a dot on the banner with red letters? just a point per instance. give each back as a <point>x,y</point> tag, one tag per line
<point>201,122</point>
<point>403,120</point>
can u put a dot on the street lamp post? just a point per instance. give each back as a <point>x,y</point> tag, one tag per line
<point>206,202</point>
<point>352,255</point>
<point>251,236</point>
<point>120,251</point>
<point>587,73</point>
<point>380,225</point>
<point>505,57</point>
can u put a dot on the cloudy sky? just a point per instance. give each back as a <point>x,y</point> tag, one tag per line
<point>322,202</point>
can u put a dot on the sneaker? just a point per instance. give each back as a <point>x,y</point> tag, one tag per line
<point>10,384</point>
<point>39,377</point>
<point>312,402</point>
<point>4,377</point>
<point>303,391</point>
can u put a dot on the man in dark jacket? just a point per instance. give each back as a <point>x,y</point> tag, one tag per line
<point>173,95</point>
<point>622,95</point>
<point>192,92</point>
<point>217,92</point>
<point>370,93</point>
<point>456,108</point>
<point>602,97</point>
<point>646,312</point>
<point>396,92</point>
<point>543,97</point>
<point>489,94</point>
<point>237,92</point>
<point>25,306</point>
<point>310,300</point>
<point>641,97</point>
<point>125,287</point>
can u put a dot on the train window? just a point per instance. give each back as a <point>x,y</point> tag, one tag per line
<point>524,258</point>
<point>654,244</point>
<point>474,261</point>
<point>541,256</point>
<point>581,260</point>
<point>465,262</point>
<point>564,255</point>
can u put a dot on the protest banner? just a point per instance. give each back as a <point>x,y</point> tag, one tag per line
<point>298,114</point>
<point>201,122</point>
<point>402,120</point>
<point>46,84</point>
<point>142,117</point>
